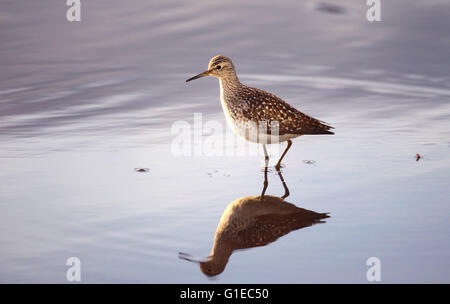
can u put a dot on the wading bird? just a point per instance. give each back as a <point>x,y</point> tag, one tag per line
<point>257,115</point>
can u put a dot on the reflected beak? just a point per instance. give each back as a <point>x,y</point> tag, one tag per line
<point>191,258</point>
<point>205,73</point>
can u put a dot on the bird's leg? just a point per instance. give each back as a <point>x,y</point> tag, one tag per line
<point>286,190</point>
<point>278,165</point>
<point>266,182</point>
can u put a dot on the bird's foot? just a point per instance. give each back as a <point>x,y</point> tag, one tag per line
<point>278,166</point>
<point>268,169</point>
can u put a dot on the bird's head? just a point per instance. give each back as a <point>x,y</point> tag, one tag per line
<point>219,66</point>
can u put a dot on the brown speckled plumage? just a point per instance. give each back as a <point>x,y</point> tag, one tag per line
<point>252,104</point>
<point>245,104</point>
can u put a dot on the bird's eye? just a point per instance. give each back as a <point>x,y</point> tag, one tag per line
<point>218,67</point>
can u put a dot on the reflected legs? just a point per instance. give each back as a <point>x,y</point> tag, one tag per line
<point>277,167</point>
<point>286,190</point>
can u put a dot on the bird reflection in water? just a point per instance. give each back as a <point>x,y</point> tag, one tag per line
<point>253,221</point>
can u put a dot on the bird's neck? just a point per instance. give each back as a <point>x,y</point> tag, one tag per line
<point>229,82</point>
<point>229,87</point>
<point>222,247</point>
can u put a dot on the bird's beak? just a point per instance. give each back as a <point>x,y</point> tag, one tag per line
<point>205,73</point>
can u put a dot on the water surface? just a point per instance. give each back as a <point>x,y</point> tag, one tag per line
<point>84,104</point>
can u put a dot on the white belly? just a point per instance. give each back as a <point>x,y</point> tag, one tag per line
<point>253,134</point>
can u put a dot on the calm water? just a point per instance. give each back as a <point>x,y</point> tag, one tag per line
<point>83,104</point>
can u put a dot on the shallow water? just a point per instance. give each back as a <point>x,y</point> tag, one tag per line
<point>84,104</point>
